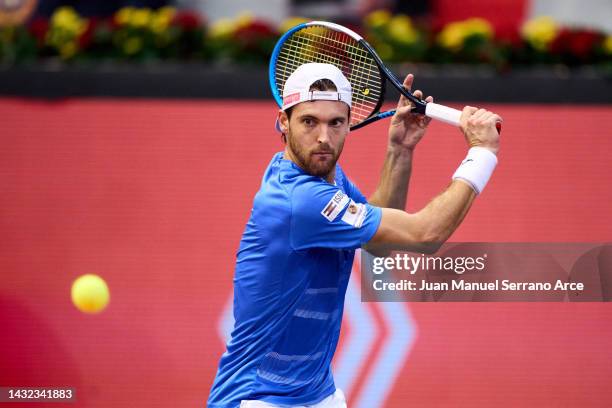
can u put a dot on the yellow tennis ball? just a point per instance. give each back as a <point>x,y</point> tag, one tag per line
<point>90,293</point>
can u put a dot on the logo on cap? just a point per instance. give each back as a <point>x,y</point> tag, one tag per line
<point>294,97</point>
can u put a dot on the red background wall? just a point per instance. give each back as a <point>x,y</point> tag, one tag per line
<point>153,196</point>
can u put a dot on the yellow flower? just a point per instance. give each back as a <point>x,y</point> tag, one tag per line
<point>65,18</point>
<point>478,26</point>
<point>377,18</point>
<point>400,29</point>
<point>166,12</point>
<point>452,36</point>
<point>124,15</point>
<point>132,45</point>
<point>222,28</point>
<point>140,17</point>
<point>162,19</point>
<point>540,32</point>
<point>607,45</point>
<point>244,19</point>
<point>66,27</point>
<point>291,22</point>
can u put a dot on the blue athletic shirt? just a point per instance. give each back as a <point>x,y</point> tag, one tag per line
<point>292,270</point>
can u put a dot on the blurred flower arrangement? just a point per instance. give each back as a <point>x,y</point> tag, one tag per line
<point>547,42</point>
<point>394,37</point>
<point>473,41</point>
<point>243,39</point>
<point>142,34</point>
<point>469,41</point>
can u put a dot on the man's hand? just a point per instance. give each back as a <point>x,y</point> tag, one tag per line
<point>479,128</point>
<point>407,128</point>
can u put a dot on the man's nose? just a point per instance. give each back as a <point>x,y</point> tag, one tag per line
<point>324,134</point>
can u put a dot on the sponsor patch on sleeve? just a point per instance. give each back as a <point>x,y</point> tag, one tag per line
<point>355,214</point>
<point>335,205</point>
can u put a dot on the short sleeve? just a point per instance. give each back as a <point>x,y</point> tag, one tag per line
<point>354,192</point>
<point>323,216</point>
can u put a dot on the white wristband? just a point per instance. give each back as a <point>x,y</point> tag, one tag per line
<point>477,168</point>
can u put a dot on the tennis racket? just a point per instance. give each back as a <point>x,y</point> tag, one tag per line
<point>320,41</point>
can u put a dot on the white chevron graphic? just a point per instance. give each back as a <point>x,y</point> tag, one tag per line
<point>401,330</point>
<point>381,377</point>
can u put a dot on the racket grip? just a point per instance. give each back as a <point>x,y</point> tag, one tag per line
<point>448,115</point>
<point>443,113</point>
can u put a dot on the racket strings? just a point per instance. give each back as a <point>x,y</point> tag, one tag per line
<point>326,49</point>
<point>353,61</point>
<point>360,79</point>
<point>347,59</point>
<point>321,44</point>
<point>365,79</point>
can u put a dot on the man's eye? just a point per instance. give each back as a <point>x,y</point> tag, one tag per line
<point>308,122</point>
<point>336,122</point>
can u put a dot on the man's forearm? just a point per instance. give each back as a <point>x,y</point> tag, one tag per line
<point>392,188</point>
<point>427,229</point>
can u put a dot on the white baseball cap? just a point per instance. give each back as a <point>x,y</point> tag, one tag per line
<point>297,86</point>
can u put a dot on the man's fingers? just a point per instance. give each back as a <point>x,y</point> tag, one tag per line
<point>484,116</point>
<point>475,116</point>
<point>402,112</point>
<point>479,114</point>
<point>403,101</point>
<point>408,81</point>
<point>469,110</point>
<point>404,105</point>
<point>493,120</point>
<point>467,113</point>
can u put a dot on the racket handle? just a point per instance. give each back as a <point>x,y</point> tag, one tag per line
<point>443,113</point>
<point>448,115</point>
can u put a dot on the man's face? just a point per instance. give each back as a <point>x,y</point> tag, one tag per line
<point>315,135</point>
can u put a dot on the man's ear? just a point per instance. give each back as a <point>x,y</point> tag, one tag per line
<point>349,118</point>
<point>283,121</point>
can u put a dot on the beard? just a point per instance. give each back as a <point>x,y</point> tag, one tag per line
<point>319,162</point>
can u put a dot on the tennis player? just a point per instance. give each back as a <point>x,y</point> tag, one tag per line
<point>308,218</point>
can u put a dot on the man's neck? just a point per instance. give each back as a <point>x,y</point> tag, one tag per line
<point>331,177</point>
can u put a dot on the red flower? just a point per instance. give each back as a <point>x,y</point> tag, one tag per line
<point>187,20</point>
<point>254,32</point>
<point>557,46</point>
<point>39,27</point>
<point>583,42</point>
<point>579,43</point>
<point>512,37</point>
<point>87,36</point>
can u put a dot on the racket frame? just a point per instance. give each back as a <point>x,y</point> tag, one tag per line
<point>384,72</point>
<point>440,112</point>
